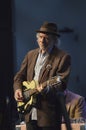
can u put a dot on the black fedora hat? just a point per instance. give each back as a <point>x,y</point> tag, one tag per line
<point>49,28</point>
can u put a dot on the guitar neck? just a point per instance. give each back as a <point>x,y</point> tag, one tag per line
<point>50,82</point>
<point>29,93</point>
<point>32,91</point>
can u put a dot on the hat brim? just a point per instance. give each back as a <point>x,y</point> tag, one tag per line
<point>46,32</point>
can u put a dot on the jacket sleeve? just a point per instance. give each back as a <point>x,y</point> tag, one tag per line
<point>20,75</point>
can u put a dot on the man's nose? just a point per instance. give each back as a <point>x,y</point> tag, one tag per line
<point>43,39</point>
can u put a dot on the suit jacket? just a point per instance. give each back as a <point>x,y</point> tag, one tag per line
<point>60,64</point>
<point>75,105</point>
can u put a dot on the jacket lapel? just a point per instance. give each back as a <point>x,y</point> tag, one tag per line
<point>48,65</point>
<point>34,58</point>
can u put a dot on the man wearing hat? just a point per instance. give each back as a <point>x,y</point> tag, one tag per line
<point>50,67</point>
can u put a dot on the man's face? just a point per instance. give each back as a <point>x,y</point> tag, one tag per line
<point>45,41</point>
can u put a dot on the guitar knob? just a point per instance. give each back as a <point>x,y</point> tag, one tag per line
<point>59,79</point>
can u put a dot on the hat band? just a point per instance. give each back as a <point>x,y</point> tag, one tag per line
<point>47,30</point>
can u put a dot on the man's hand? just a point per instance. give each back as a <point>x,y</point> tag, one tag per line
<point>18,95</point>
<point>39,88</point>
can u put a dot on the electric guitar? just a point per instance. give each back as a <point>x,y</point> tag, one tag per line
<point>29,89</point>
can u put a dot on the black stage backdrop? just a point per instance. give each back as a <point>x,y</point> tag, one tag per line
<point>6,65</point>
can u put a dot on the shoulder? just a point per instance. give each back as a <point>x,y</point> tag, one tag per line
<point>31,52</point>
<point>75,97</point>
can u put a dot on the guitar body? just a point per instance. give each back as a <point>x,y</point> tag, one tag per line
<point>28,86</point>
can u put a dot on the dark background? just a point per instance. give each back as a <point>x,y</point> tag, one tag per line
<point>18,21</point>
<point>7,103</point>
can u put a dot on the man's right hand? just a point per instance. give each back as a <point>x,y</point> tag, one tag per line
<point>18,95</point>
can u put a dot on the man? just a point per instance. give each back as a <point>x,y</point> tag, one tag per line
<point>76,106</point>
<point>43,64</point>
